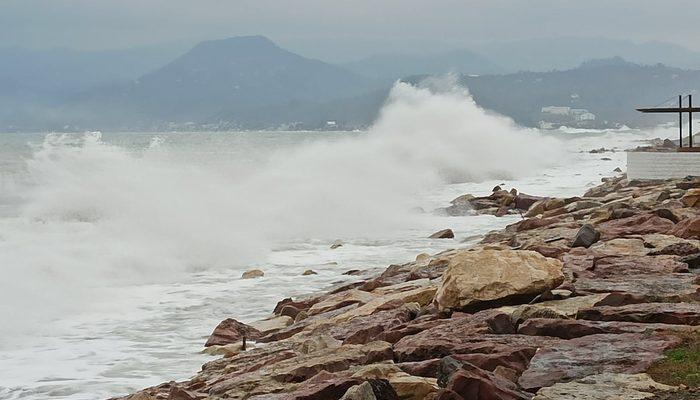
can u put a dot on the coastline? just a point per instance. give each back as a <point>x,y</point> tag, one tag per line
<point>499,318</point>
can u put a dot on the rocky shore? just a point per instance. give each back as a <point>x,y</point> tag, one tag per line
<point>591,297</point>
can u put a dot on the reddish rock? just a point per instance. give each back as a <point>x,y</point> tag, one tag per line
<point>663,313</point>
<point>612,266</point>
<point>677,249</point>
<point>652,288</point>
<point>639,224</point>
<point>412,348</point>
<point>567,360</point>
<point>472,383</point>
<point>449,336</point>
<point>425,368</point>
<point>300,325</point>
<point>570,328</point>
<point>231,331</point>
<point>329,389</point>
<point>532,223</point>
<point>689,228</point>
<point>364,329</point>
<point>551,251</point>
<point>515,358</point>
<point>443,234</point>
<point>334,360</point>
<point>525,201</point>
<point>178,393</point>
<point>304,304</point>
<point>396,274</point>
<point>418,325</point>
<point>580,262</point>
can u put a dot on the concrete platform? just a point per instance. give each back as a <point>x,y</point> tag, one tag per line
<point>662,165</point>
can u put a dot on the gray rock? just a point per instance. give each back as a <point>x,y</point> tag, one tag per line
<point>585,236</point>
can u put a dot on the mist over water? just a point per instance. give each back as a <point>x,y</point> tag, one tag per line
<point>94,214</point>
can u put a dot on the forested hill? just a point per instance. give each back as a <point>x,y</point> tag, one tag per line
<point>610,89</point>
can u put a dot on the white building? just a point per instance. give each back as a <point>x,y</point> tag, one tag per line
<point>556,110</point>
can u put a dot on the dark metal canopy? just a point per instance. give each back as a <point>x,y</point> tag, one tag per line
<point>680,110</point>
<point>669,110</point>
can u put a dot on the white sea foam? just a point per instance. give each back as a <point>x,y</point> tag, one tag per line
<point>95,215</point>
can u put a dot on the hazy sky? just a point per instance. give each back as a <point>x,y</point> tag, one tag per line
<point>341,30</point>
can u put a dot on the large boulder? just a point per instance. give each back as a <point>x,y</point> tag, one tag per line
<point>486,277</point>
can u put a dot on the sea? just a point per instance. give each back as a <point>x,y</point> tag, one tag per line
<point>120,252</point>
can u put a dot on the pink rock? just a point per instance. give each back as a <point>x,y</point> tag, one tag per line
<point>567,360</point>
<point>231,331</point>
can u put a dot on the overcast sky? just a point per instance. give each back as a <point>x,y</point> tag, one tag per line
<point>337,30</point>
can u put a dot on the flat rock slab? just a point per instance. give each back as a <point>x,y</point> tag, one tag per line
<point>659,288</point>
<point>567,360</point>
<point>419,349</point>
<point>664,313</point>
<point>604,387</point>
<point>573,328</point>
<point>639,224</point>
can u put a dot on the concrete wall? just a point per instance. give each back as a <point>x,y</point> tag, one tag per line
<point>651,165</point>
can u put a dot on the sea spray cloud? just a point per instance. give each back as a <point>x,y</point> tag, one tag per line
<point>97,216</point>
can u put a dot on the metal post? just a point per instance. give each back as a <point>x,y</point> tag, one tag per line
<point>690,120</point>
<point>680,121</point>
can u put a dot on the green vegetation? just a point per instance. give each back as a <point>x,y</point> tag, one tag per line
<point>681,365</point>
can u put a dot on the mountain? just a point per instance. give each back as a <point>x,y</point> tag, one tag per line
<point>229,78</point>
<point>611,89</point>
<point>565,52</point>
<point>395,66</point>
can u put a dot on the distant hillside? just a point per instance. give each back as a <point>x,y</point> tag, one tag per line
<point>562,53</point>
<point>396,66</point>
<point>251,83</point>
<point>611,89</point>
<point>60,72</point>
<point>34,83</point>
